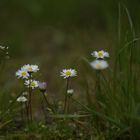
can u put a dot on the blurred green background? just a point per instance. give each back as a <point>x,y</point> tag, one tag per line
<point>56,34</point>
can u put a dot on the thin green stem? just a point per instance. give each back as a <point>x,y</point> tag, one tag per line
<point>68,104</point>
<point>98,85</point>
<point>98,114</point>
<point>66,96</point>
<point>27,112</point>
<point>47,102</point>
<point>22,113</point>
<point>119,46</point>
<point>30,98</point>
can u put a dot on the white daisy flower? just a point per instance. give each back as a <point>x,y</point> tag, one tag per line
<point>100,54</point>
<point>66,73</point>
<point>22,74</point>
<point>22,99</point>
<point>31,83</point>
<point>99,64</point>
<point>70,91</point>
<point>30,68</point>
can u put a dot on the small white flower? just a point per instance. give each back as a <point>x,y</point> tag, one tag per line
<point>31,83</point>
<point>22,99</point>
<point>100,54</point>
<point>22,74</point>
<point>99,64</point>
<point>66,73</point>
<point>30,68</point>
<point>2,47</point>
<point>70,91</point>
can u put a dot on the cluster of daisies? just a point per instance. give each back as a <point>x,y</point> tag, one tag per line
<point>25,73</point>
<point>100,63</point>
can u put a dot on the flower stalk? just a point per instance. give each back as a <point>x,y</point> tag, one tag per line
<point>47,102</point>
<point>67,74</point>
<point>43,87</point>
<point>66,95</point>
<point>25,73</point>
<point>30,98</point>
<point>22,111</point>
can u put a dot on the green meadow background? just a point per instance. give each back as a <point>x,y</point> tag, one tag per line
<point>58,34</point>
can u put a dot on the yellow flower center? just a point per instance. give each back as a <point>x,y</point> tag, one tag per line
<point>30,69</point>
<point>68,73</point>
<point>98,66</point>
<point>23,73</point>
<point>100,54</point>
<point>33,84</point>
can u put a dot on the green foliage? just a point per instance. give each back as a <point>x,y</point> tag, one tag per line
<point>106,105</point>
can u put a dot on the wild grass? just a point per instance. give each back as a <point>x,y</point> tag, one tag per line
<point>110,109</point>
